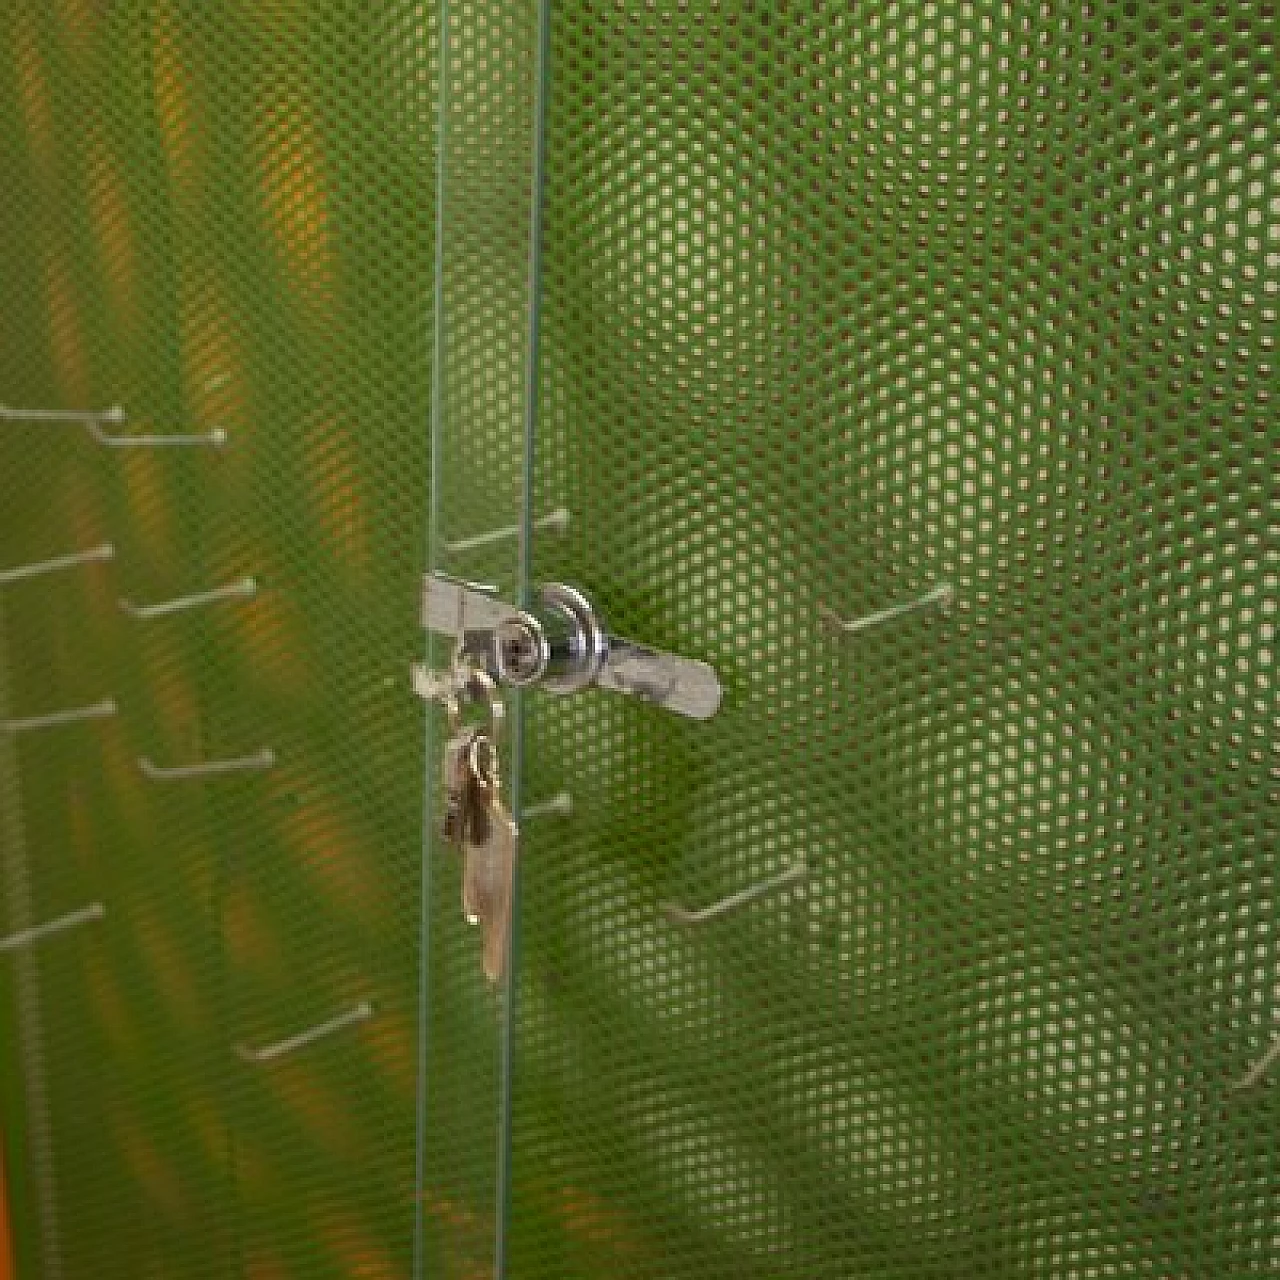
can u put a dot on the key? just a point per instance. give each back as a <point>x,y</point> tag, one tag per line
<point>466,806</point>
<point>489,856</point>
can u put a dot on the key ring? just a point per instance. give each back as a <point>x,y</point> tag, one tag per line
<point>482,760</point>
<point>474,685</point>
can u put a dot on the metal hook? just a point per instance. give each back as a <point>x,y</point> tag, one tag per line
<point>937,597</point>
<point>82,417</point>
<point>559,805</point>
<point>259,762</point>
<point>1254,1076</point>
<point>682,915</point>
<point>29,937</point>
<point>245,589</point>
<point>361,1013</point>
<point>557,521</point>
<point>98,711</point>
<point>214,439</point>
<point>40,567</point>
<point>93,421</point>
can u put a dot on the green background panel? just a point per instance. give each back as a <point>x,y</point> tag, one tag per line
<point>843,302</point>
<point>221,215</point>
<point>839,302</point>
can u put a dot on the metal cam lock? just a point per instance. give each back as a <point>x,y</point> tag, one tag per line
<point>563,646</point>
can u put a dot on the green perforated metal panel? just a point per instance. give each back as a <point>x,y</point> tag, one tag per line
<point>215,215</point>
<point>837,306</point>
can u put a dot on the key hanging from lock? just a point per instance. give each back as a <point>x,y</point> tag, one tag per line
<point>489,860</point>
<point>476,822</point>
<point>466,815</point>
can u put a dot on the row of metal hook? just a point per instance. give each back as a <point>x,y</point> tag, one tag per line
<point>96,423</point>
<point>939,596</point>
<point>245,589</point>
<point>96,911</point>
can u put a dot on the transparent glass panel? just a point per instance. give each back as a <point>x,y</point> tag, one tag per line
<point>482,426</point>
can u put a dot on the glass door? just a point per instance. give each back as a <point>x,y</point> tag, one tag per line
<point>483,415</point>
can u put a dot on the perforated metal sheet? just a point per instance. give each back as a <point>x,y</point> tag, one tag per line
<point>843,302</point>
<point>217,214</point>
<point>840,302</point>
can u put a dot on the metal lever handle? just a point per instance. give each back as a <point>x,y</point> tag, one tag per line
<point>563,646</point>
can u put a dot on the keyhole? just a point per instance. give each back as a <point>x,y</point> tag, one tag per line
<point>522,655</point>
